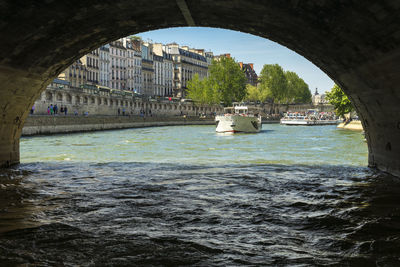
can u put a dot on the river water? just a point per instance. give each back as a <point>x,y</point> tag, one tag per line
<point>179,196</point>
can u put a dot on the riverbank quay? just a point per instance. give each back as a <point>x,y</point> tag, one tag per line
<point>352,125</point>
<point>46,125</point>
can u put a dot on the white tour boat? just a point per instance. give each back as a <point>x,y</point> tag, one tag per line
<point>311,118</point>
<point>238,119</point>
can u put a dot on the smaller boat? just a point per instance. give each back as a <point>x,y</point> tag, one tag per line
<point>310,118</point>
<point>238,119</point>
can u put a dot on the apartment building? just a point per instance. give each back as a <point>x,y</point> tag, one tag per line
<point>118,65</point>
<point>147,69</point>
<point>104,65</point>
<point>75,74</point>
<point>187,62</point>
<point>91,61</point>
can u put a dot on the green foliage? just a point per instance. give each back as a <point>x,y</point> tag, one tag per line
<point>199,91</point>
<point>339,100</point>
<point>226,83</point>
<point>134,37</point>
<point>273,83</point>
<point>298,91</point>
<point>227,80</point>
<point>284,87</point>
<point>252,93</point>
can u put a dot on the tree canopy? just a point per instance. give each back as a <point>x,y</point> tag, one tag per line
<point>298,91</point>
<point>252,93</point>
<point>339,100</point>
<point>226,83</point>
<point>200,91</point>
<point>280,86</point>
<point>273,82</point>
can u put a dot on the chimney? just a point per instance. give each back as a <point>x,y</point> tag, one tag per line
<point>251,66</point>
<point>241,65</point>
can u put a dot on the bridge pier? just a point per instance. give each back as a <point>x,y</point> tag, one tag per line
<point>18,91</point>
<point>374,90</point>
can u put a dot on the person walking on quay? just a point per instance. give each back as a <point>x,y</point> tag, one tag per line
<point>33,109</point>
<point>48,110</point>
<point>55,109</point>
<point>51,109</point>
<point>123,111</point>
<point>65,110</point>
<point>62,109</point>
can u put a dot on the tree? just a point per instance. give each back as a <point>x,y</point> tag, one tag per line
<point>339,100</point>
<point>252,93</point>
<point>227,80</point>
<point>200,91</point>
<point>273,82</point>
<point>226,83</point>
<point>134,37</point>
<point>298,91</point>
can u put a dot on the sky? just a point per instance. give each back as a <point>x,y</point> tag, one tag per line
<point>246,48</point>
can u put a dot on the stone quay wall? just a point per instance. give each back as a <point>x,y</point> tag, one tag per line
<point>101,101</point>
<point>44,125</point>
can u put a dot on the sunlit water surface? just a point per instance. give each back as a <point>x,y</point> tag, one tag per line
<point>174,196</point>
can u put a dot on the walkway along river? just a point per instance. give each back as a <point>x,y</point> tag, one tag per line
<point>185,195</point>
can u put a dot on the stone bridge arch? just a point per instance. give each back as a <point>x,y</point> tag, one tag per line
<point>357,43</point>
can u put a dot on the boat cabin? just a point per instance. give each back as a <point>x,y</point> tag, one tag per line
<point>240,110</point>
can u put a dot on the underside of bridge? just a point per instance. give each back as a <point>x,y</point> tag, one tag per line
<point>357,43</point>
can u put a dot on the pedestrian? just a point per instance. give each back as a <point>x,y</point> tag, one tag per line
<point>123,111</point>
<point>48,110</point>
<point>62,109</point>
<point>55,109</point>
<point>33,109</point>
<point>65,110</point>
<point>150,113</point>
<point>51,109</point>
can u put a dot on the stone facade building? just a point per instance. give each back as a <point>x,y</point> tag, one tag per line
<point>137,53</point>
<point>75,74</point>
<point>143,67</point>
<point>104,65</point>
<point>163,70</point>
<point>250,73</point>
<point>130,64</point>
<point>158,66</point>
<point>168,74</point>
<point>319,99</point>
<point>91,61</point>
<point>147,69</point>
<point>187,63</point>
<point>118,65</point>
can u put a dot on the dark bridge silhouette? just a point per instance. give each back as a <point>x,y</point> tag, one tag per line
<point>357,43</point>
